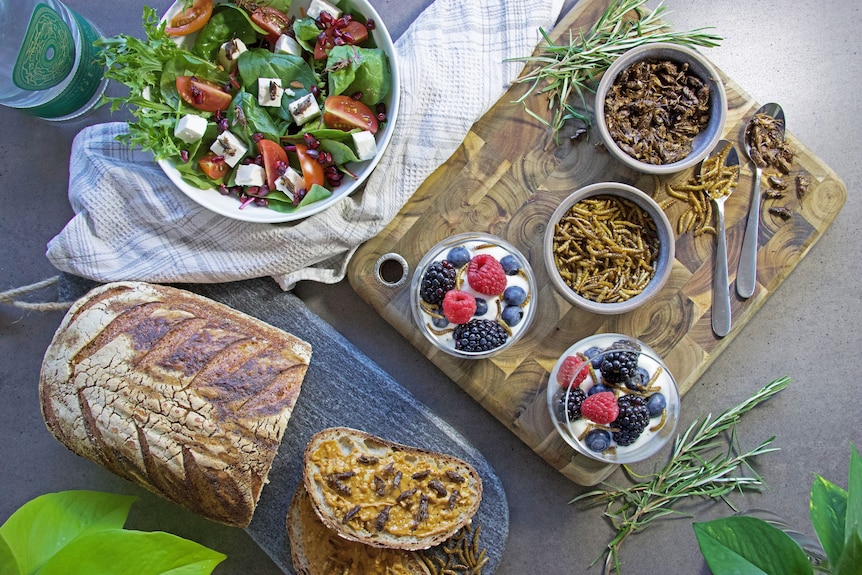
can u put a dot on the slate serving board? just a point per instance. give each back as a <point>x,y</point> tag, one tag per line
<point>372,401</point>
<point>507,178</point>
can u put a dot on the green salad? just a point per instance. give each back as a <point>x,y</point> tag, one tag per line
<point>259,105</point>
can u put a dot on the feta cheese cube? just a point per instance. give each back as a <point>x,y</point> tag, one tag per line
<point>290,182</point>
<point>287,45</point>
<point>304,109</point>
<point>230,147</point>
<point>229,53</point>
<point>190,128</point>
<point>365,145</point>
<point>318,6</point>
<point>250,175</point>
<point>269,92</point>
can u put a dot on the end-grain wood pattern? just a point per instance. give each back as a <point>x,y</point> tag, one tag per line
<point>507,178</point>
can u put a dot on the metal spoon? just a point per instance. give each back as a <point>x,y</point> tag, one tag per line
<point>746,274</point>
<point>721,317</point>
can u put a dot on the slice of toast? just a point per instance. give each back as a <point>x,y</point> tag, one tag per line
<point>317,550</point>
<point>385,494</point>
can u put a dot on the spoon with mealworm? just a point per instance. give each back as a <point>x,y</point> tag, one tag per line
<point>719,174</point>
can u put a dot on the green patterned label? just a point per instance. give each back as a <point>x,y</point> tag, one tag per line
<point>47,57</point>
<point>47,54</point>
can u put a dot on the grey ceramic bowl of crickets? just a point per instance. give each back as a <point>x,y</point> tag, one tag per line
<point>660,108</point>
<point>608,248</point>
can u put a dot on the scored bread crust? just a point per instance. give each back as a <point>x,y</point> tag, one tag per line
<point>385,494</point>
<point>180,394</point>
<point>317,550</point>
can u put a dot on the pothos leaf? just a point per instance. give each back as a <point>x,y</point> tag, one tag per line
<point>854,496</point>
<point>749,546</point>
<point>45,525</point>
<point>850,562</point>
<point>828,511</point>
<point>126,552</point>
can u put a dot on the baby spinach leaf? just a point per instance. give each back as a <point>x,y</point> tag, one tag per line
<point>260,63</point>
<point>44,526</point>
<point>254,119</point>
<point>227,21</point>
<point>341,153</point>
<point>354,69</point>
<point>748,545</point>
<point>187,64</point>
<point>126,552</point>
<point>315,194</point>
<point>306,32</point>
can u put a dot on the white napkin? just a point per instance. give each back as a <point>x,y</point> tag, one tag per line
<point>131,223</point>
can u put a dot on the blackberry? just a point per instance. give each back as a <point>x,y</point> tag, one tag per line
<point>479,335</point>
<point>621,362</point>
<point>632,419</point>
<point>438,279</point>
<point>569,404</point>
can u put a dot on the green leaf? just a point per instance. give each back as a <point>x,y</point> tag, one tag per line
<point>228,21</point>
<point>828,510</point>
<point>356,69</point>
<point>854,496</point>
<point>8,563</point>
<point>47,524</point>
<point>126,552</point>
<point>850,562</point>
<point>749,546</point>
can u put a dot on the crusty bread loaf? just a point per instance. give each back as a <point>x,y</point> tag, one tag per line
<point>173,391</point>
<point>385,494</point>
<point>318,550</point>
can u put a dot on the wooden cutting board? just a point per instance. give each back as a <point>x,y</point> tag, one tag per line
<point>507,178</point>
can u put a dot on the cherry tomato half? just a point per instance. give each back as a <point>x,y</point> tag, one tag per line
<point>272,154</point>
<point>344,113</point>
<point>191,19</point>
<point>353,33</point>
<point>312,170</point>
<point>274,21</point>
<point>202,94</point>
<point>213,166</point>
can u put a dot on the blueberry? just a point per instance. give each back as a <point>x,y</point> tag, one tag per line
<point>593,352</point>
<point>514,295</point>
<point>481,306</point>
<point>639,380</point>
<point>512,315</point>
<point>510,265</point>
<point>656,404</point>
<point>439,322</point>
<point>458,256</point>
<point>597,388</point>
<point>597,440</point>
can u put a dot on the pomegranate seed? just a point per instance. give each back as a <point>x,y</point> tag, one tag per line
<point>298,195</point>
<point>313,154</point>
<point>223,190</point>
<point>184,155</point>
<point>280,168</point>
<point>356,95</point>
<point>339,42</point>
<point>257,137</point>
<point>371,24</point>
<point>315,91</point>
<point>252,191</point>
<point>223,124</point>
<point>325,17</point>
<point>348,37</point>
<point>310,141</point>
<point>263,202</point>
<point>258,159</point>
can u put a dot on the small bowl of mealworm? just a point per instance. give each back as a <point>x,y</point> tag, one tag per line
<point>608,248</point>
<point>613,399</point>
<point>660,108</point>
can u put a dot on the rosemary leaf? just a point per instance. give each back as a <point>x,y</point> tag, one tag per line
<point>567,72</point>
<point>699,466</point>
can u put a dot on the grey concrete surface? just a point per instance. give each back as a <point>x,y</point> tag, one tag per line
<point>801,54</point>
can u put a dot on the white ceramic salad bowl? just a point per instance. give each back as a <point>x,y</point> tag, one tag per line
<point>229,205</point>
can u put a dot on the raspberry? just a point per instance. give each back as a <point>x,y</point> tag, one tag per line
<point>601,407</point>
<point>486,275</point>
<point>458,306</point>
<point>573,371</point>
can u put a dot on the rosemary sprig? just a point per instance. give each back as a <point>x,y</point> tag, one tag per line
<point>564,70</point>
<point>696,468</point>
